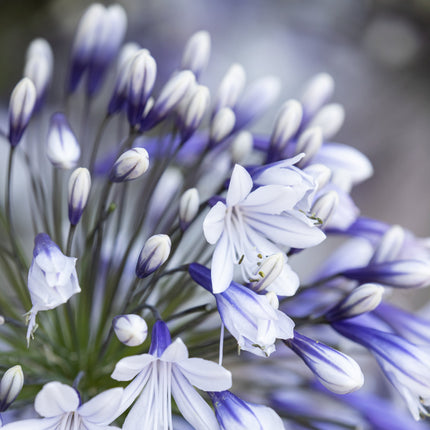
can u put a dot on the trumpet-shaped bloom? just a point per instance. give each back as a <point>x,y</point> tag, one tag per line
<point>60,406</point>
<point>248,316</point>
<point>52,278</point>
<point>235,414</point>
<point>168,371</point>
<point>252,224</point>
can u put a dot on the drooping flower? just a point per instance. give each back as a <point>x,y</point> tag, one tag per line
<point>250,317</point>
<point>52,278</point>
<point>168,371</point>
<point>252,224</point>
<point>61,408</point>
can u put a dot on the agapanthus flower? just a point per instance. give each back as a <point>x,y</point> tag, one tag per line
<point>252,224</point>
<point>61,408</point>
<point>250,317</point>
<point>164,372</point>
<point>52,278</point>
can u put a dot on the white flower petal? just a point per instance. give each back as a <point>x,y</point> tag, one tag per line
<point>103,408</point>
<point>240,185</point>
<point>205,375</point>
<point>213,225</point>
<point>55,399</point>
<point>267,417</point>
<point>191,405</point>
<point>176,351</point>
<point>128,367</point>
<point>271,199</point>
<point>222,265</point>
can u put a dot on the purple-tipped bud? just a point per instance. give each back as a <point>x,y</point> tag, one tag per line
<point>309,142</point>
<point>141,79</point>
<point>108,41</point>
<point>194,112</point>
<point>79,190</point>
<point>241,146</point>
<point>287,123</point>
<point>130,329</point>
<point>196,53</point>
<point>21,106</point>
<point>154,253</point>
<point>362,299</point>
<point>188,207</point>
<point>62,147</point>
<point>231,87</point>
<point>317,92</point>
<point>120,92</point>
<point>86,37</point>
<point>330,118</point>
<point>336,371</point>
<point>222,125</point>
<point>130,165</point>
<point>10,386</point>
<point>325,206</point>
<point>171,94</point>
<point>38,67</point>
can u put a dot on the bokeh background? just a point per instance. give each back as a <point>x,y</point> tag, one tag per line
<point>377,51</point>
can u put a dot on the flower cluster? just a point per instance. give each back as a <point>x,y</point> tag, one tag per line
<point>162,211</point>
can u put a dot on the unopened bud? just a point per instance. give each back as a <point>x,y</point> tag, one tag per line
<point>21,106</point>
<point>324,207</point>
<point>130,329</point>
<point>390,245</point>
<point>38,67</point>
<point>269,270</point>
<point>309,142</point>
<point>130,165</point>
<point>154,253</point>
<point>85,42</point>
<point>318,91</point>
<point>241,146</point>
<point>188,207</point>
<point>287,123</point>
<point>10,386</point>
<point>195,110</point>
<point>231,87</point>
<point>79,190</point>
<point>222,125</point>
<point>171,94</point>
<point>330,118</point>
<point>62,148</point>
<point>364,298</point>
<point>197,52</point>
<point>142,74</point>
<point>336,371</point>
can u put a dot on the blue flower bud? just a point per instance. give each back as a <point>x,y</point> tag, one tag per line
<point>141,79</point>
<point>79,190</point>
<point>21,106</point>
<point>130,165</point>
<point>10,386</point>
<point>63,148</point>
<point>196,53</point>
<point>154,253</point>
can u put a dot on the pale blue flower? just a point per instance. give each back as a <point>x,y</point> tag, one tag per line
<point>61,408</point>
<point>168,371</point>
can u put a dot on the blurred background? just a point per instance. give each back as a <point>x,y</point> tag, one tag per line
<point>377,51</point>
